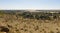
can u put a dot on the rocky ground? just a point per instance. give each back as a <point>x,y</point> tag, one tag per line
<point>12,24</point>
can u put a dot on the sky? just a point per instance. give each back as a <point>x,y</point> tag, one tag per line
<point>29,4</point>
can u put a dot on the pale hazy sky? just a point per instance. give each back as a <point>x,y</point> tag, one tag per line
<point>29,4</point>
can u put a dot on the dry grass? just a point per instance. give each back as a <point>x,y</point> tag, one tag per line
<point>26,25</point>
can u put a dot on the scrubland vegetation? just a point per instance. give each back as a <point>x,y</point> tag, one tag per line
<point>19,21</point>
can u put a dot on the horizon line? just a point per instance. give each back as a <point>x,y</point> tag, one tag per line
<point>30,9</point>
